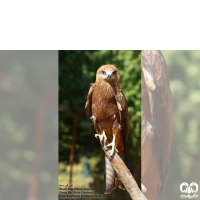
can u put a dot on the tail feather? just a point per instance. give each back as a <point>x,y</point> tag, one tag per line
<point>109,177</point>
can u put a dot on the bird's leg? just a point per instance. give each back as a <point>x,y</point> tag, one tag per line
<point>112,144</point>
<point>102,137</point>
<point>115,131</point>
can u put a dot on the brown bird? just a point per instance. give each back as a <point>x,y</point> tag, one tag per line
<point>157,123</point>
<point>107,111</point>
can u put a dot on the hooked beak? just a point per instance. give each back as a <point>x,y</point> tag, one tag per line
<point>109,76</point>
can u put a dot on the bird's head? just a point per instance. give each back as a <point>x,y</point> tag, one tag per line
<point>108,73</point>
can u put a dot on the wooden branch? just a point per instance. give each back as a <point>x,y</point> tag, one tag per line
<point>124,175</point>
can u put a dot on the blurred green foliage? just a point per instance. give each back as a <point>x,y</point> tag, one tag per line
<point>184,74</point>
<point>77,69</point>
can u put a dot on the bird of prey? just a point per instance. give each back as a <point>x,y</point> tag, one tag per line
<point>157,123</point>
<point>107,111</point>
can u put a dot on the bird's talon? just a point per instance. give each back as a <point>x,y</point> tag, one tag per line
<point>110,145</point>
<point>102,137</point>
<point>96,136</point>
<point>113,147</point>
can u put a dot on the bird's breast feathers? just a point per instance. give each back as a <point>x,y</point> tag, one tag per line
<point>103,102</point>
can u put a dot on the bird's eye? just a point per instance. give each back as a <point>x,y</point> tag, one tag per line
<point>114,73</point>
<point>103,72</point>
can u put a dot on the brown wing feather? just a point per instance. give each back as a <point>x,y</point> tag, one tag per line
<point>88,107</point>
<point>124,115</point>
<point>157,122</point>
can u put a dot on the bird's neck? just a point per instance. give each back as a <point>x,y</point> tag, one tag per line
<point>113,85</point>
